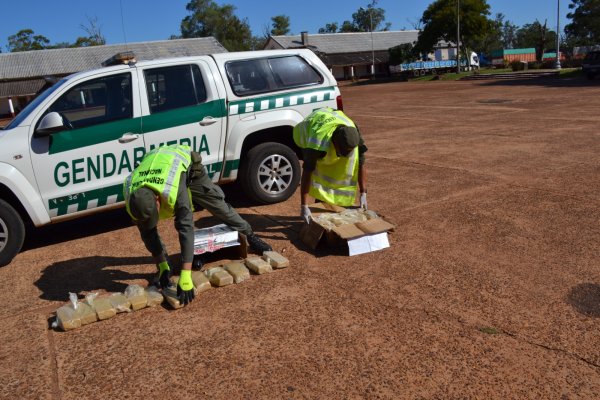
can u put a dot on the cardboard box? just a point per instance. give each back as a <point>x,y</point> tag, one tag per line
<point>219,242</point>
<point>358,238</point>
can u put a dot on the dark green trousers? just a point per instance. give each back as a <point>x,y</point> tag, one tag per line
<point>205,194</point>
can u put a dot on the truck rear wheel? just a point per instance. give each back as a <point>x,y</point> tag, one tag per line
<point>12,233</point>
<point>270,173</point>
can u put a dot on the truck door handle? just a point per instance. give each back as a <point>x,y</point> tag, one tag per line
<point>208,121</point>
<point>128,137</point>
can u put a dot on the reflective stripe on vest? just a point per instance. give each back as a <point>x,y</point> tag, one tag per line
<point>160,170</point>
<point>334,179</point>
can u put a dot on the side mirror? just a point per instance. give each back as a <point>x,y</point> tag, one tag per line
<point>51,123</point>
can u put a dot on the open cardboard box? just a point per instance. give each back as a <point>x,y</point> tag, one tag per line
<point>358,238</point>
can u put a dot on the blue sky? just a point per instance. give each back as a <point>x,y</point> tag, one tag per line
<point>147,20</point>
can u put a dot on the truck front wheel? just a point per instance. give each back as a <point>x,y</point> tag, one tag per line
<point>270,173</point>
<point>12,233</point>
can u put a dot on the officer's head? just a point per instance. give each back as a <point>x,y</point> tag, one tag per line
<point>345,139</point>
<point>143,205</point>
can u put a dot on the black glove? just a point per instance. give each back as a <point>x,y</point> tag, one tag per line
<point>164,273</point>
<point>185,287</point>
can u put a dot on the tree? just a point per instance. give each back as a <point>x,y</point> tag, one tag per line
<point>329,28</point>
<point>439,23</point>
<point>207,18</point>
<point>370,19</point>
<point>94,34</point>
<point>348,26</point>
<point>361,21</point>
<point>25,40</point>
<point>402,54</point>
<point>281,25</point>
<point>501,35</point>
<point>584,29</point>
<point>537,36</point>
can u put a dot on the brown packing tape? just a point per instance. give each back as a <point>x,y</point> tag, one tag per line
<point>348,231</point>
<point>311,234</point>
<point>377,225</point>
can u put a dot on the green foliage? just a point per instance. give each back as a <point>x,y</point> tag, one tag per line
<point>536,35</point>
<point>329,28</point>
<point>207,18</point>
<point>281,25</point>
<point>366,19</point>
<point>439,23</point>
<point>26,40</point>
<point>370,19</point>
<point>584,29</point>
<point>402,54</point>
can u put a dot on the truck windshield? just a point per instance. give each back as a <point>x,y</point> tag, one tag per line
<point>34,103</point>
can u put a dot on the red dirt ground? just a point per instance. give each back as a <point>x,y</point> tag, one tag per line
<point>491,287</point>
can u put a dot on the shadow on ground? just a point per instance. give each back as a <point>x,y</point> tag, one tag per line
<point>585,298</point>
<point>86,274</point>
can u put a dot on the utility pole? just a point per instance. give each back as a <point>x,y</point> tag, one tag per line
<point>371,6</point>
<point>458,36</point>
<point>557,65</point>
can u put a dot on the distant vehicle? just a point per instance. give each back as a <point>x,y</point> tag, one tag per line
<point>591,64</point>
<point>420,68</point>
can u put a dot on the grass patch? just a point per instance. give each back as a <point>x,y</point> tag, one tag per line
<point>489,330</point>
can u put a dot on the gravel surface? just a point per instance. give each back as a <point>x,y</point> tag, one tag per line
<point>491,287</point>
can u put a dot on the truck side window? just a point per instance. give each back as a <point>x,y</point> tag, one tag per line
<point>248,77</point>
<point>174,87</point>
<point>293,72</point>
<point>96,101</point>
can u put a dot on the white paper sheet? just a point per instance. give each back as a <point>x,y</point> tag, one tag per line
<point>367,244</point>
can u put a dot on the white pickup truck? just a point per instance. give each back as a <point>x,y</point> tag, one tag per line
<point>67,153</point>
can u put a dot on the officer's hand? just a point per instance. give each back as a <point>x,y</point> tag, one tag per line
<point>185,287</point>
<point>164,273</point>
<point>363,200</point>
<point>305,213</point>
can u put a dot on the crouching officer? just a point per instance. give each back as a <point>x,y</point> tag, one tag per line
<point>333,153</point>
<point>166,183</point>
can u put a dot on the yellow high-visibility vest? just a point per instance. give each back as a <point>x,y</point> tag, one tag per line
<point>334,179</point>
<point>160,171</point>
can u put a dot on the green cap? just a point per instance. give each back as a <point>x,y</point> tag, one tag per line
<point>346,137</point>
<point>142,205</point>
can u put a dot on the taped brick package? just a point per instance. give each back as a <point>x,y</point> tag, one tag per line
<point>137,296</point>
<point>238,271</point>
<point>200,281</point>
<point>86,313</point>
<point>258,265</point>
<point>276,260</point>
<point>171,297</point>
<point>120,302</point>
<point>154,297</point>
<point>104,308</point>
<point>219,277</point>
<point>67,318</point>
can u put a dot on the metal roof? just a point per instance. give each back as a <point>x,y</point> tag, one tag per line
<point>39,63</point>
<point>21,88</point>
<point>352,42</point>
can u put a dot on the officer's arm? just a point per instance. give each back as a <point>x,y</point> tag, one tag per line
<point>362,178</point>
<point>310,158</point>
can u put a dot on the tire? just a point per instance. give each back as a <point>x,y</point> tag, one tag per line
<point>262,165</point>
<point>12,233</point>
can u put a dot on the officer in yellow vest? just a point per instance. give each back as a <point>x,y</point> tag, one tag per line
<point>166,183</point>
<point>333,153</point>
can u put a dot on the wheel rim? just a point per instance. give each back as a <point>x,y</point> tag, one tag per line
<point>3,235</point>
<point>275,173</point>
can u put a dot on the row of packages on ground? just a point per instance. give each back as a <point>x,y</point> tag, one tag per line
<point>76,313</point>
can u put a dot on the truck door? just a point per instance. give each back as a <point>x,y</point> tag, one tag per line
<point>83,166</point>
<point>182,106</point>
